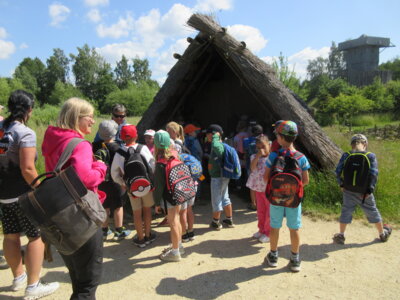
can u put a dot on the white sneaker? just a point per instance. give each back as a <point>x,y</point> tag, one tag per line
<point>257,235</point>
<point>19,283</point>
<point>41,290</point>
<point>170,257</point>
<point>169,248</point>
<point>263,239</point>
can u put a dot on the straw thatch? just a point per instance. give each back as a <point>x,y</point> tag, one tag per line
<point>218,79</point>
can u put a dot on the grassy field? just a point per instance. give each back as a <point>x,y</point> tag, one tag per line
<point>323,196</point>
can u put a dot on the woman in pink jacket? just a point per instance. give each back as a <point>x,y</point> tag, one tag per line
<point>76,120</point>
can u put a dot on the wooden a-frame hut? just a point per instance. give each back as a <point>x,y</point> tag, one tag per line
<point>218,79</point>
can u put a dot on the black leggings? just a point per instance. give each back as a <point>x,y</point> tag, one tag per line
<point>85,267</point>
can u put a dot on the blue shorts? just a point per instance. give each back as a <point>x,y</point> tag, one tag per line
<point>293,216</point>
<point>351,200</point>
<point>219,193</point>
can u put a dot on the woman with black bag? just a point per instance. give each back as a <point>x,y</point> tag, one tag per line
<point>17,171</point>
<point>76,121</point>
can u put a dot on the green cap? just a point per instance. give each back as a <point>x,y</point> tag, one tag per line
<point>162,139</point>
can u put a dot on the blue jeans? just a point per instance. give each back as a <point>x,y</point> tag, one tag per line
<point>219,193</point>
<point>351,200</point>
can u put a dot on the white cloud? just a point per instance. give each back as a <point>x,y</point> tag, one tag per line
<point>113,52</point>
<point>6,49</point>
<point>213,5</point>
<point>252,36</point>
<point>94,15</point>
<point>23,46</point>
<point>3,33</point>
<point>58,13</point>
<point>96,2</point>
<point>174,21</point>
<point>120,29</point>
<point>299,60</point>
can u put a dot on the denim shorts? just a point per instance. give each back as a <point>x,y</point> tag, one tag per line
<point>219,193</point>
<point>293,216</point>
<point>351,200</point>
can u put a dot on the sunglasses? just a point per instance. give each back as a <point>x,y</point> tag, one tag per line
<point>119,116</point>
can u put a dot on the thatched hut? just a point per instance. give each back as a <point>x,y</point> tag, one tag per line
<point>218,79</point>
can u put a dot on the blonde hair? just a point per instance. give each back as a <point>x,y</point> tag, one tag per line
<point>162,153</point>
<point>71,111</point>
<point>178,129</point>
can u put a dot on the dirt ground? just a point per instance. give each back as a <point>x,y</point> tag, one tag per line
<point>228,264</point>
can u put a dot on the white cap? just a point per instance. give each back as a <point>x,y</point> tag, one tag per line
<point>150,132</point>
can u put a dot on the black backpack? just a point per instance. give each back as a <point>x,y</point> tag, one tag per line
<point>104,155</point>
<point>356,172</point>
<point>138,175</point>
<point>285,186</point>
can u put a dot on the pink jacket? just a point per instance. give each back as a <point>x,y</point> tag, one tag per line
<point>91,172</point>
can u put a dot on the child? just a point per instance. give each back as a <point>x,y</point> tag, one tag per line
<point>256,182</point>
<point>115,194</point>
<point>176,133</point>
<point>242,134</point>
<point>141,206</point>
<point>191,141</point>
<point>286,134</point>
<point>219,185</point>
<point>163,152</point>
<point>149,139</point>
<point>359,192</point>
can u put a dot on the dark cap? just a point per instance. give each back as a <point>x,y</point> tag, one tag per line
<point>213,128</point>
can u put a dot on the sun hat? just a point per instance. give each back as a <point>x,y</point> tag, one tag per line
<point>162,139</point>
<point>288,128</point>
<point>107,130</point>
<point>150,132</point>
<point>128,131</point>
<point>358,138</point>
<point>213,128</point>
<point>189,128</point>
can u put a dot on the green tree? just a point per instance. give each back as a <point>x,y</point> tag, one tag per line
<point>63,91</point>
<point>394,66</point>
<point>141,71</point>
<point>104,85</point>
<point>286,75</point>
<point>123,73</point>
<point>317,67</point>
<point>31,73</point>
<point>336,64</point>
<point>393,89</point>
<point>377,93</point>
<point>5,91</point>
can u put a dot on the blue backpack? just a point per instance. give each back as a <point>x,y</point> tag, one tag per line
<point>230,163</point>
<point>194,165</point>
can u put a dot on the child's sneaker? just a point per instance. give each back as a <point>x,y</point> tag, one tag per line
<point>139,243</point>
<point>191,235</point>
<point>3,263</point>
<point>120,235</point>
<point>170,257</point>
<point>271,260</point>
<point>264,239</point>
<point>106,233</point>
<point>228,223</point>
<point>295,264</point>
<point>387,231</point>
<point>339,238</point>
<point>257,235</point>
<point>216,226</point>
<point>185,237</point>
<point>149,239</point>
<point>181,249</point>
<point>19,282</point>
<point>41,290</point>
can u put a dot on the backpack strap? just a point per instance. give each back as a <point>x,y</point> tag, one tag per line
<point>123,153</point>
<point>139,148</point>
<point>66,154</point>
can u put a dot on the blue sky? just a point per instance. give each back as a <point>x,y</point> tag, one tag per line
<point>155,29</point>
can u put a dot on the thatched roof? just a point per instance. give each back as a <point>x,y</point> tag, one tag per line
<point>218,79</point>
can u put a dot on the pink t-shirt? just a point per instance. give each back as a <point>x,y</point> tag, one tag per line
<point>255,181</point>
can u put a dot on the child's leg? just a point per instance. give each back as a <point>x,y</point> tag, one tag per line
<point>261,213</point>
<point>253,198</point>
<point>147,220</point>
<point>216,198</point>
<point>293,219</point>
<point>175,226</point>
<point>118,216</point>
<point>294,240</point>
<point>138,222</point>
<point>183,218</point>
<point>277,213</point>
<point>273,238</point>
<point>372,213</point>
<point>226,201</point>
<point>105,224</point>
<point>190,218</point>
<point>349,205</point>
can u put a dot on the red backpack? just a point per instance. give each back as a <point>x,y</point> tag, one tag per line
<point>180,184</point>
<point>285,186</point>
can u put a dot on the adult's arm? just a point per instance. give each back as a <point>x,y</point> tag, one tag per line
<point>27,164</point>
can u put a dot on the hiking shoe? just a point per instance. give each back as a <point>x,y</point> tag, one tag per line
<point>191,235</point>
<point>41,290</point>
<point>170,257</point>
<point>106,234</point>
<point>118,236</point>
<point>19,283</point>
<point>149,239</point>
<point>185,237</point>
<point>339,238</point>
<point>3,263</point>
<point>295,264</point>
<point>216,226</point>
<point>263,239</point>
<point>228,223</point>
<point>139,243</point>
<point>387,231</point>
<point>169,248</point>
<point>271,260</point>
